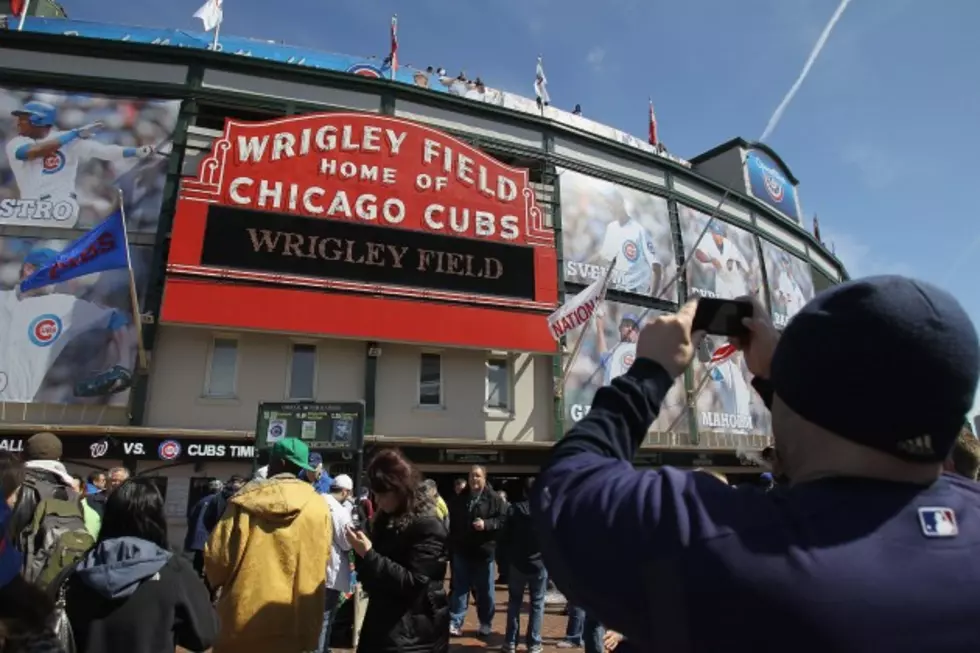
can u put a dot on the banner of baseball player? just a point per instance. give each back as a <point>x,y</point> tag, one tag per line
<point>602,221</point>
<point>608,350</point>
<point>72,342</point>
<point>67,156</point>
<point>726,262</point>
<point>726,406</point>
<point>790,282</point>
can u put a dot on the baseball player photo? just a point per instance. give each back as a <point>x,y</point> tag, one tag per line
<point>67,156</point>
<point>790,283</point>
<point>724,264</point>
<point>608,351</point>
<point>725,402</point>
<point>603,222</point>
<point>57,347</point>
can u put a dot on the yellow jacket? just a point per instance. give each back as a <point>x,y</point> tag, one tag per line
<point>441,508</point>
<point>268,554</point>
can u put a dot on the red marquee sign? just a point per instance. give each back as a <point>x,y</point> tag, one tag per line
<point>372,169</point>
<point>412,220</point>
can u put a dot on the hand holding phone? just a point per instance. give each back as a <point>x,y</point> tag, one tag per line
<point>722,317</point>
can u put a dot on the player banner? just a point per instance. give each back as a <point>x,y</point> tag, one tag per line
<point>66,156</point>
<point>608,351</point>
<point>727,404</point>
<point>725,264</point>
<point>790,282</point>
<point>603,221</point>
<point>69,342</point>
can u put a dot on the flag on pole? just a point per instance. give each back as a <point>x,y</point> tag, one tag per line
<point>17,7</point>
<point>103,248</point>
<point>653,126</point>
<point>210,14</point>
<point>724,352</point>
<point>816,229</point>
<point>541,85</point>
<point>579,309</point>
<point>393,57</point>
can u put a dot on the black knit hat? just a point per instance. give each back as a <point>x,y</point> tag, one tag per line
<point>887,362</point>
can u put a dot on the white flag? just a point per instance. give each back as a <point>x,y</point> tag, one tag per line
<point>541,84</point>
<point>210,14</point>
<point>578,310</point>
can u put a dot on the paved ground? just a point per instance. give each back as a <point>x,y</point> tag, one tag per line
<point>552,631</point>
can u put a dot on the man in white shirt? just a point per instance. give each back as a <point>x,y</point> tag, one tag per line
<point>338,567</point>
<point>36,326</point>
<point>720,254</point>
<point>44,162</point>
<point>637,269</point>
<point>788,294</point>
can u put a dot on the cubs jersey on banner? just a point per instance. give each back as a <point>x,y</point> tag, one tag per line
<point>730,279</point>
<point>50,181</point>
<point>733,391</point>
<point>632,247</point>
<point>793,294</point>
<point>617,361</point>
<point>38,330</point>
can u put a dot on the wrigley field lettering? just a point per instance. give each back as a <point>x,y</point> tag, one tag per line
<point>378,170</point>
<point>268,242</point>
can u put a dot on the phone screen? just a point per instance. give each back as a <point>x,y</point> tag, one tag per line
<point>721,317</point>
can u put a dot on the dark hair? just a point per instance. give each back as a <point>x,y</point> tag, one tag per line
<point>94,475</point>
<point>25,610</point>
<point>135,509</point>
<point>391,471</point>
<point>11,473</point>
<point>235,478</point>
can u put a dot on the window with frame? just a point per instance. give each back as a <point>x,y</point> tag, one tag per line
<point>498,383</point>
<point>302,372</point>
<point>430,380</point>
<point>224,367</point>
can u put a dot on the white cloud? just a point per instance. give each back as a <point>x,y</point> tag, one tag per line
<point>858,257</point>
<point>595,58</point>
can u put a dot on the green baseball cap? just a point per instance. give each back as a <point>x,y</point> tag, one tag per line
<point>294,451</point>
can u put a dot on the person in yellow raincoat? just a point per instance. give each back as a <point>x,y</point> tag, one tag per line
<point>267,558</point>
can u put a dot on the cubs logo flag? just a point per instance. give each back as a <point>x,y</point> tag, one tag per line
<point>210,14</point>
<point>103,248</point>
<point>541,84</point>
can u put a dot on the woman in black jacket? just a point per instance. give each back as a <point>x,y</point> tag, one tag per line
<point>401,563</point>
<point>129,593</point>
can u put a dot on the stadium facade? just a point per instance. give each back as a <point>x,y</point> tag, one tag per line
<point>305,231</point>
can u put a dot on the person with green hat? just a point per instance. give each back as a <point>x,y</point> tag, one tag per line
<point>267,559</point>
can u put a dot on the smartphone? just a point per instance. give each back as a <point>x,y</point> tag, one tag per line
<point>722,317</point>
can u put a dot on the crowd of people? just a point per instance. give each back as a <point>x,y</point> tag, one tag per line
<point>862,538</point>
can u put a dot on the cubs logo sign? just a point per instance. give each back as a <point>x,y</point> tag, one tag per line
<point>44,330</point>
<point>53,163</point>
<point>169,450</point>
<point>630,251</point>
<point>774,186</point>
<point>365,70</point>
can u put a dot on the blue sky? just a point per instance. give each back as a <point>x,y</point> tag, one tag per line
<point>881,135</point>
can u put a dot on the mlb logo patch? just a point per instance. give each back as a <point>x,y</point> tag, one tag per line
<point>938,522</point>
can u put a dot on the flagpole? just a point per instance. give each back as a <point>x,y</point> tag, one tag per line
<point>217,31</point>
<point>133,295</point>
<point>23,15</point>
<point>588,325</point>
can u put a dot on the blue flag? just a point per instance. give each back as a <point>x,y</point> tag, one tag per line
<point>103,248</point>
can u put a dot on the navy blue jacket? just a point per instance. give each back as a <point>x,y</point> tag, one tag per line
<point>197,533</point>
<point>679,562</point>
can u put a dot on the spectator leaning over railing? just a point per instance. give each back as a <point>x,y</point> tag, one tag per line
<point>871,547</point>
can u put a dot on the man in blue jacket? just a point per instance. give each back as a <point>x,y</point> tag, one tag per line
<point>871,547</point>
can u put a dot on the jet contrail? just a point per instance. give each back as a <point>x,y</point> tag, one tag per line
<point>778,113</point>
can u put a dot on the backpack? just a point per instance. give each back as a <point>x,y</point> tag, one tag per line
<point>56,538</point>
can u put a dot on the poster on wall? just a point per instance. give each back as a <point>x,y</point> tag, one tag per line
<point>607,352</point>
<point>790,282</point>
<point>602,221</point>
<point>66,156</point>
<point>727,403</point>
<point>59,342</point>
<point>767,182</point>
<point>725,263</point>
